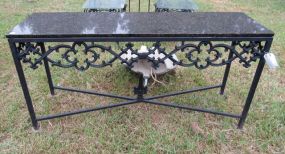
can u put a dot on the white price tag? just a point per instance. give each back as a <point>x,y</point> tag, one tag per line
<point>271,60</point>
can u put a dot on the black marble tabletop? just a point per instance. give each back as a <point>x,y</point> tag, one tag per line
<point>105,24</point>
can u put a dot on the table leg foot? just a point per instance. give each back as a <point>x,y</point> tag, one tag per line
<point>240,124</point>
<point>36,126</point>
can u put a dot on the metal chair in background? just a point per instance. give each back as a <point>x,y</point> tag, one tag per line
<point>121,6</point>
<point>175,6</point>
<point>105,6</point>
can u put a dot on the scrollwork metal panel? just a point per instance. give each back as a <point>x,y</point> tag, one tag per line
<point>213,54</point>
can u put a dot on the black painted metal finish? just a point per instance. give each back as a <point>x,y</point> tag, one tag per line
<point>21,52</point>
<point>91,92</point>
<point>253,86</point>
<point>85,110</point>
<point>245,48</point>
<point>140,90</point>
<point>50,83</point>
<point>226,75</point>
<point>23,83</point>
<point>192,108</point>
<point>214,50</point>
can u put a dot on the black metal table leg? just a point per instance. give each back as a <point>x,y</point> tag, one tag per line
<point>148,6</point>
<point>23,84</point>
<point>251,93</point>
<point>50,83</point>
<point>253,86</point>
<point>139,5</point>
<point>129,5</point>
<point>226,75</point>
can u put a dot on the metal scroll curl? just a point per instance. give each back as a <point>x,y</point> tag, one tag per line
<point>200,54</point>
<point>89,55</point>
<point>214,54</point>
<point>30,53</point>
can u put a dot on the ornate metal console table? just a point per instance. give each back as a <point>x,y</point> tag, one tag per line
<point>223,37</point>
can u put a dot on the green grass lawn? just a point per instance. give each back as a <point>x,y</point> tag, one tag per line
<point>143,128</point>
